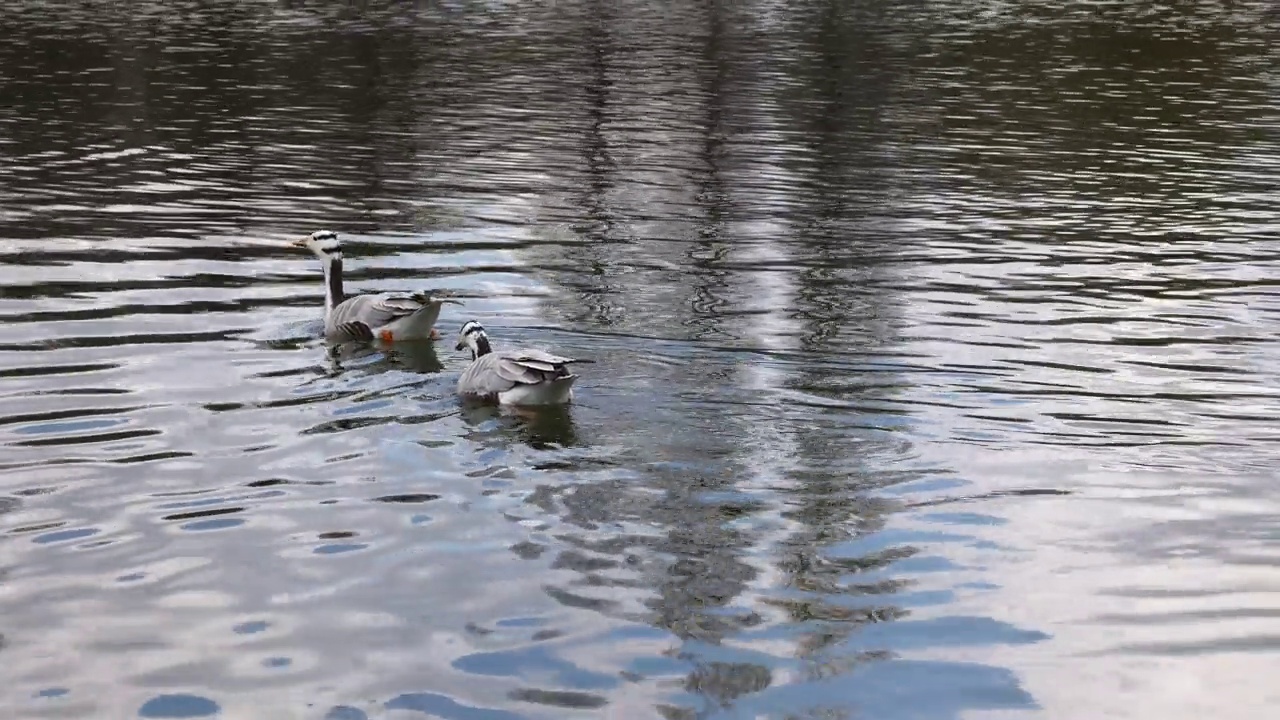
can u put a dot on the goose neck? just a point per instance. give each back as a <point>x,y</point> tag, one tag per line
<point>333,294</point>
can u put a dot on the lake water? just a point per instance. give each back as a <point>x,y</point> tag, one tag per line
<point>937,366</point>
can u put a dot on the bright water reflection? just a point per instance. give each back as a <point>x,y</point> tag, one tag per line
<point>935,360</point>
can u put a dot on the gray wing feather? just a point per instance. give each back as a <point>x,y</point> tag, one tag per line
<point>500,371</point>
<point>540,367</point>
<point>482,377</point>
<point>539,356</point>
<point>517,373</point>
<point>376,310</point>
<point>351,332</point>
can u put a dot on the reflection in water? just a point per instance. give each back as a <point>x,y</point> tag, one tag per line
<point>414,356</point>
<point>540,427</point>
<point>934,344</point>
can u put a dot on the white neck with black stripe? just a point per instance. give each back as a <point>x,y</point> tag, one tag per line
<point>333,293</point>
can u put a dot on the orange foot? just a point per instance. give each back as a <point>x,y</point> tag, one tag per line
<point>435,334</point>
<point>385,335</point>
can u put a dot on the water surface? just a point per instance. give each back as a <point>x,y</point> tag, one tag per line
<point>935,360</point>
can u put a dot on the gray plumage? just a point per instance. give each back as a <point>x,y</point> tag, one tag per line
<point>362,317</point>
<point>503,370</point>
<point>517,377</point>
<point>385,316</point>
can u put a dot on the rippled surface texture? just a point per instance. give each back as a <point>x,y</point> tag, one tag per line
<point>936,360</point>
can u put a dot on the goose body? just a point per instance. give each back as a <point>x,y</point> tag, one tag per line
<point>390,317</point>
<point>513,377</point>
<point>387,317</point>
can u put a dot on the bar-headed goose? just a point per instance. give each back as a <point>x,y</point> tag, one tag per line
<point>390,317</point>
<point>512,377</point>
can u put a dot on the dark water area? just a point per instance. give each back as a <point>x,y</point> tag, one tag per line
<point>937,367</point>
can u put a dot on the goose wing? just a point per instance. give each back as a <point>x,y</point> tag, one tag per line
<point>374,311</point>
<point>534,357</point>
<point>483,378</point>
<point>351,332</point>
<point>501,371</point>
<point>530,367</point>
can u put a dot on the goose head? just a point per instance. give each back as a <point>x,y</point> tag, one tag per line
<point>473,337</point>
<point>324,244</point>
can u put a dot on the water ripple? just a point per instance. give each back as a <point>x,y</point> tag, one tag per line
<point>934,352</point>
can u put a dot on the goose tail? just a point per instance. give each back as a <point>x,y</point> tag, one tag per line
<point>551,392</point>
<point>419,325</point>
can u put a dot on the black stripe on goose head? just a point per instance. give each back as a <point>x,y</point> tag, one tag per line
<point>473,335</point>
<point>326,242</point>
